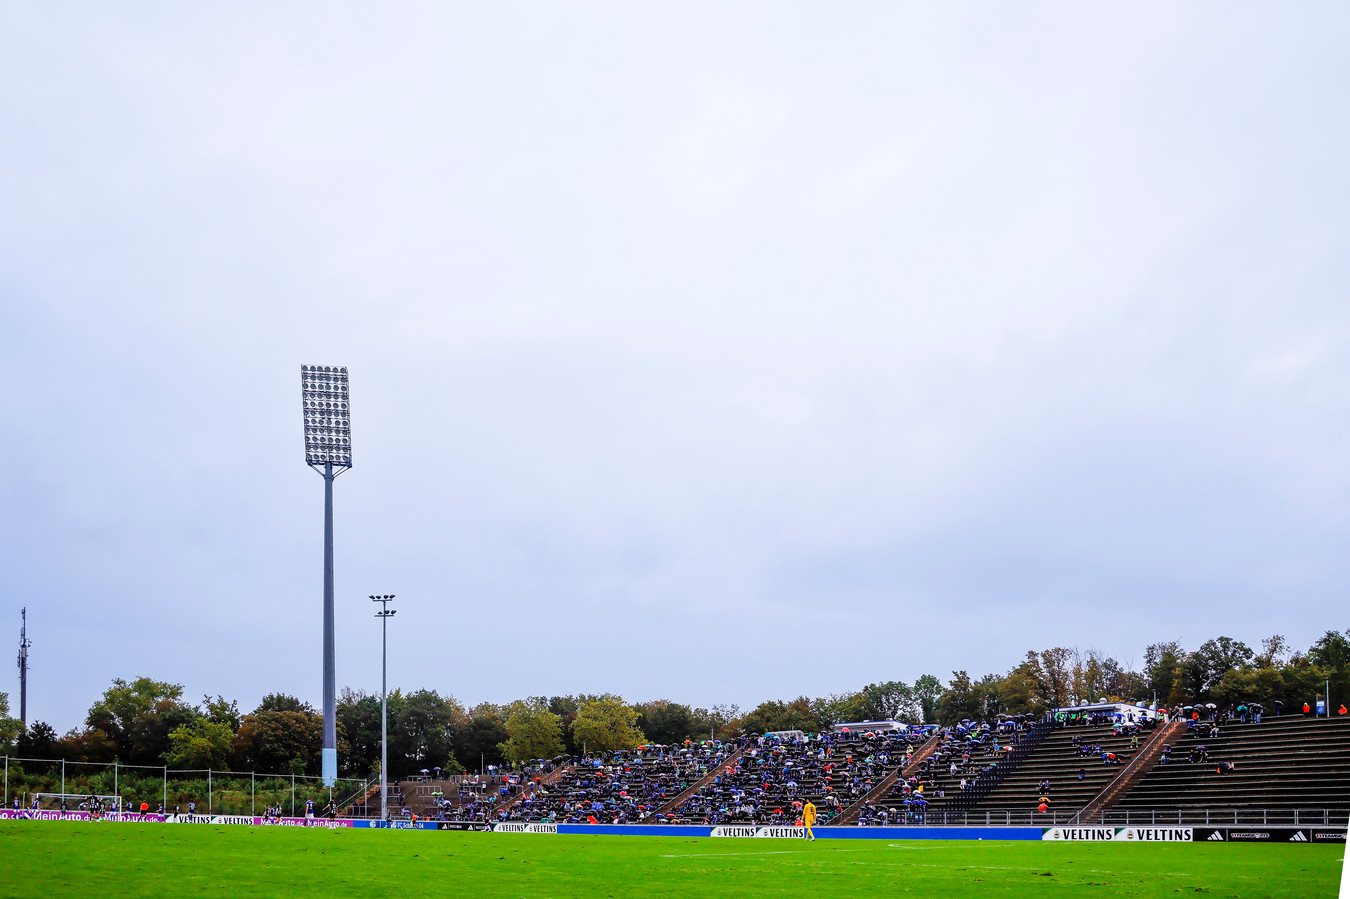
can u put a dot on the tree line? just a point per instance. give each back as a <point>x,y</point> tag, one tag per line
<point>148,722</point>
<point>1223,671</point>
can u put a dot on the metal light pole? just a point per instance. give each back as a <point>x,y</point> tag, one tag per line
<point>384,615</point>
<point>328,450</point>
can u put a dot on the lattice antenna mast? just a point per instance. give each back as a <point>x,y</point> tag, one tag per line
<point>328,450</point>
<point>24,643</point>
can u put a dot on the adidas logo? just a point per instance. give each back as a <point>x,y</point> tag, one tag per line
<point>1298,837</point>
<point>1216,836</point>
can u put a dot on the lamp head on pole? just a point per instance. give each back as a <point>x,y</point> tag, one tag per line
<point>327,407</point>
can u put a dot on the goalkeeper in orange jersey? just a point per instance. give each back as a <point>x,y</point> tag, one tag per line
<point>808,820</point>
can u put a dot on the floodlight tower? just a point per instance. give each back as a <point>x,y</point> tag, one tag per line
<point>24,643</point>
<point>328,450</point>
<point>384,615</point>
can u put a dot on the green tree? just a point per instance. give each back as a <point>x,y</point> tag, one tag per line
<point>989,690</point>
<point>721,722</point>
<point>358,714</point>
<point>38,742</point>
<point>927,692</point>
<point>139,716</point>
<point>533,732</point>
<point>666,723</point>
<point>279,742</point>
<point>566,707</point>
<point>827,711</point>
<point>222,711</point>
<point>1331,653</point>
<point>1021,690</point>
<point>200,744</point>
<point>892,700</point>
<point>87,744</point>
<point>1274,652</point>
<point>422,730</point>
<point>605,724</point>
<point>1163,670</point>
<point>775,715</point>
<point>477,743</point>
<point>282,702</point>
<point>10,728</point>
<point>1303,681</point>
<point>959,701</point>
<point>1214,659</point>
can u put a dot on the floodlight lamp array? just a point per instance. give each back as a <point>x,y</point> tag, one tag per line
<point>327,407</point>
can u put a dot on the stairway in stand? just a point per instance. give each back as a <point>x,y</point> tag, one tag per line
<point>850,814</point>
<point>702,782</point>
<point>356,808</point>
<point>550,778</point>
<point>1135,771</point>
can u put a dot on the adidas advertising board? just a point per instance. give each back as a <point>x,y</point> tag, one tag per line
<point>1259,835</point>
<point>462,825</point>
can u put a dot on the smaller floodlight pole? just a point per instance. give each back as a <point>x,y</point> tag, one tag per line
<point>384,615</point>
<point>328,450</point>
<point>24,643</point>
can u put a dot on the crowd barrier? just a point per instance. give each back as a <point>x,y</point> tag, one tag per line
<point>749,831</point>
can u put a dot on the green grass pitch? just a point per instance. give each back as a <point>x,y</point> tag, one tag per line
<point>40,858</point>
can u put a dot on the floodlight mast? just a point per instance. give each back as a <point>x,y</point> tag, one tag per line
<point>384,615</point>
<point>328,450</point>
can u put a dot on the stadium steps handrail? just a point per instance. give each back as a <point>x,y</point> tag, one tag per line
<point>693,789</point>
<point>360,796</point>
<point>1132,773</point>
<point>927,748</point>
<point>986,781</point>
<point>548,779</point>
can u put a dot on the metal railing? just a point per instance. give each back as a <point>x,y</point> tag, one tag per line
<point>1171,817</point>
<point>986,781</point>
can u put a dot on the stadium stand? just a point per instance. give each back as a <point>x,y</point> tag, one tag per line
<point>1283,763</point>
<point>964,753</point>
<point>620,788</point>
<point>1075,762</point>
<point>1089,769</point>
<point>775,777</point>
<point>1141,762</point>
<point>720,768</point>
<point>912,766</point>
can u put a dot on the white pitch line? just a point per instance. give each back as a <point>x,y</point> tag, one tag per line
<point>961,867</point>
<point>958,866</point>
<point>774,852</point>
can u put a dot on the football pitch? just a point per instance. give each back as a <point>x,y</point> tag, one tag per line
<point>65,858</point>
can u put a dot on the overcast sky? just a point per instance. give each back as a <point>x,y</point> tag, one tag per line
<point>713,352</point>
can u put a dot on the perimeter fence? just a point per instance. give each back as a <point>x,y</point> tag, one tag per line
<point>206,791</point>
